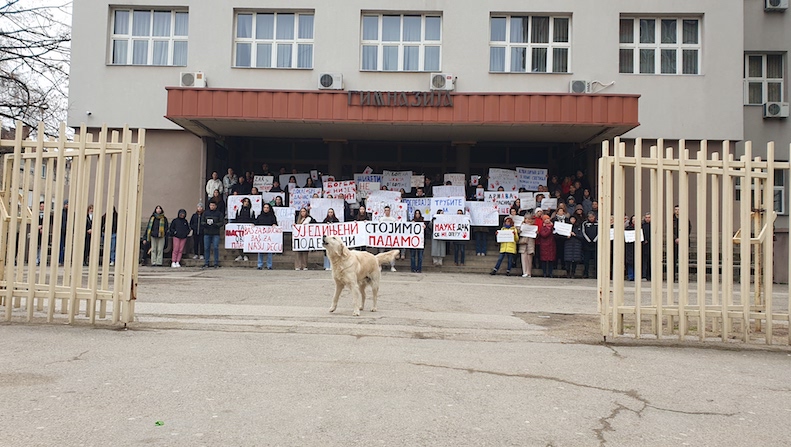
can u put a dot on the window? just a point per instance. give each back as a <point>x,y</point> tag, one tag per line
<point>778,189</point>
<point>529,44</point>
<point>401,42</point>
<point>149,37</point>
<point>763,78</point>
<point>273,40</point>
<point>659,46</point>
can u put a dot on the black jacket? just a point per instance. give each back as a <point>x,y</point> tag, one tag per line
<point>241,189</point>
<point>114,223</point>
<point>195,224</point>
<point>244,215</point>
<point>590,234</point>
<point>179,228</point>
<point>267,219</point>
<point>212,221</point>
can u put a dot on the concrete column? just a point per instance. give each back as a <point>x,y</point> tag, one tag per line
<point>463,149</point>
<point>335,162</point>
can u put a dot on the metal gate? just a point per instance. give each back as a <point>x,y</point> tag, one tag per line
<point>55,259</point>
<point>730,258</point>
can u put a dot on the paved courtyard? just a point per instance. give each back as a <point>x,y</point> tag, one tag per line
<point>246,357</point>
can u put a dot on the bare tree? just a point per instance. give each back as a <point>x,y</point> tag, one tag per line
<point>34,58</point>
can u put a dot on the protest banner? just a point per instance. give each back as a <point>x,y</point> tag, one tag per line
<point>418,181</point>
<point>327,178</point>
<point>301,179</point>
<point>562,229</point>
<point>483,214</point>
<point>269,197</point>
<point>396,180</point>
<point>368,170</point>
<point>285,217</point>
<point>377,200</point>
<point>369,177</point>
<point>309,237</point>
<point>527,200</point>
<point>347,188</point>
<point>530,231</point>
<point>234,235</point>
<point>505,236</point>
<point>549,204</point>
<point>502,177</point>
<point>314,174</point>
<point>518,220</point>
<point>479,193</point>
<point>451,227</point>
<point>319,207</point>
<point>448,205</point>
<point>630,235</point>
<point>263,182</point>
<point>503,199</point>
<point>300,197</point>
<point>448,191</point>
<point>422,204</point>
<point>395,234</point>
<point>455,179</point>
<point>235,203</point>
<point>530,178</point>
<point>474,180</point>
<point>364,189</point>
<point>263,239</point>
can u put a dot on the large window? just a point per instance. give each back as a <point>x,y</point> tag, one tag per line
<point>778,188</point>
<point>763,78</point>
<point>529,44</point>
<point>273,40</point>
<point>401,42</point>
<point>660,46</point>
<point>149,37</point>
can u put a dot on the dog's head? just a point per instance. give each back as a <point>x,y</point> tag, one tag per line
<point>333,245</point>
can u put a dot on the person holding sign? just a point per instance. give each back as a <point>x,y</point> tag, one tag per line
<point>266,218</point>
<point>244,214</point>
<point>438,247</point>
<point>301,260</point>
<point>590,232</point>
<point>629,253</point>
<point>507,236</point>
<point>330,218</point>
<point>546,240</point>
<point>573,248</point>
<point>416,254</point>
<point>527,244</point>
<point>459,247</point>
<point>212,221</point>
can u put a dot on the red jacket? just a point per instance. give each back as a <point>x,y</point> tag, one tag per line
<point>546,240</point>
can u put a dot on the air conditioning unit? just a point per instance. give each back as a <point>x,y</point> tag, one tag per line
<point>330,81</point>
<point>192,79</point>
<point>441,81</point>
<point>775,5</point>
<point>579,86</point>
<point>776,110</point>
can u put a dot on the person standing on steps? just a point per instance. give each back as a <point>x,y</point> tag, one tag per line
<point>197,232</point>
<point>179,231</point>
<point>212,221</point>
<point>507,248</point>
<point>269,219</point>
<point>156,232</point>
<point>214,184</point>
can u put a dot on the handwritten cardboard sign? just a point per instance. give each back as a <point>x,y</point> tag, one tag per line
<point>451,227</point>
<point>263,239</point>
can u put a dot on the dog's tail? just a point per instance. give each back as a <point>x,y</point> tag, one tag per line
<point>387,257</point>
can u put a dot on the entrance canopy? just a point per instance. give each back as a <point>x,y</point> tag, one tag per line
<point>403,116</point>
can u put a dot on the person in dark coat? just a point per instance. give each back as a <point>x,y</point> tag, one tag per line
<point>266,218</point>
<point>212,222</point>
<point>244,214</point>
<point>646,261</point>
<point>63,227</point>
<point>88,232</point>
<point>241,188</point>
<point>629,254</point>
<point>197,232</point>
<point>113,233</point>
<point>546,240</point>
<point>590,234</point>
<point>573,248</point>
<point>180,231</point>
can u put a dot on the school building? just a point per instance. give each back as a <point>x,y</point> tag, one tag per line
<point>440,86</point>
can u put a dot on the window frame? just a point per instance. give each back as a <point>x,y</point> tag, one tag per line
<point>763,79</point>
<point>657,46</point>
<point>130,38</point>
<point>780,189</point>
<point>550,45</point>
<point>380,44</point>
<point>253,41</point>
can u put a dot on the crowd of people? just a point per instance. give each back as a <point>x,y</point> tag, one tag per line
<point>532,244</point>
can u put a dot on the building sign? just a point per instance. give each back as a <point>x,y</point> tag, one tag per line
<point>439,98</point>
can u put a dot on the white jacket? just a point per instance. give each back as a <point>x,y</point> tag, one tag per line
<point>212,184</point>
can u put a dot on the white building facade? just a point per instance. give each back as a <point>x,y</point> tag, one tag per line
<point>675,69</point>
